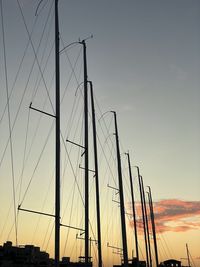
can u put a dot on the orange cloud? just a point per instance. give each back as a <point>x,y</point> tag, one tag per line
<point>172,215</point>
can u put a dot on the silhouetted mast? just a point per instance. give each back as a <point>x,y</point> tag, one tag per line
<point>133,208</point>
<point>96,177</point>
<point>121,195</point>
<point>146,220</point>
<point>86,155</point>
<point>143,217</point>
<point>153,225</point>
<point>57,137</point>
<point>188,255</point>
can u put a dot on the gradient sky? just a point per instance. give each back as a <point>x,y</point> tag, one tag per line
<point>144,62</point>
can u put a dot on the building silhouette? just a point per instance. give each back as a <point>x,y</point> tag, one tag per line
<point>170,263</point>
<point>31,256</point>
<point>23,256</point>
<point>133,263</point>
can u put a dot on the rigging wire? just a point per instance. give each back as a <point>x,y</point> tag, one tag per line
<point>48,241</point>
<point>36,58</point>
<point>24,155</point>
<point>107,135</point>
<point>6,220</point>
<point>38,82</point>
<point>72,69</point>
<point>44,50</point>
<point>79,154</point>
<point>38,161</point>
<point>163,247</point>
<point>162,237</point>
<point>68,82</point>
<point>35,132</point>
<point>74,174</point>
<point>64,143</point>
<point>109,161</point>
<point>27,187</point>
<point>76,130</point>
<point>192,259</point>
<point>72,117</point>
<point>68,155</point>
<point>70,217</point>
<point>38,6</point>
<point>23,165</point>
<point>45,246</point>
<point>77,186</point>
<point>9,122</point>
<point>23,94</point>
<point>19,68</point>
<point>43,205</point>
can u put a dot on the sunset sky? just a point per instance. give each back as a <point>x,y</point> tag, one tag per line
<point>144,62</point>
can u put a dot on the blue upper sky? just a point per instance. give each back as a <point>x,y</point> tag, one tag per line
<point>144,61</point>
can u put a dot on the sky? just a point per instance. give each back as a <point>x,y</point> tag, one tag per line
<point>144,62</point>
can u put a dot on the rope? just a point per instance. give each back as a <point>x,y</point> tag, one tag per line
<point>35,54</point>
<point>35,133</point>
<point>38,161</point>
<point>73,70</point>
<point>6,221</point>
<point>37,83</point>
<point>19,68</point>
<point>23,95</point>
<point>70,217</point>
<point>9,120</point>
<point>43,205</point>
<point>48,241</point>
<point>192,259</point>
<point>36,12</point>
<point>23,164</point>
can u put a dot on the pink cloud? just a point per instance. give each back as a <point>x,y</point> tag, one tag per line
<point>173,215</point>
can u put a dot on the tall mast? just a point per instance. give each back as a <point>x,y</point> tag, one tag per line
<point>188,255</point>
<point>133,209</point>
<point>153,225</point>
<point>96,177</point>
<point>121,195</point>
<point>86,155</point>
<point>57,136</point>
<point>147,225</point>
<point>143,217</point>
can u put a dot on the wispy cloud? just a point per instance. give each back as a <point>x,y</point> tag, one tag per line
<point>173,215</point>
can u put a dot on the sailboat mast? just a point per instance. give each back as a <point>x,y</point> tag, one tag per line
<point>133,207</point>
<point>143,217</point>
<point>96,177</point>
<point>121,195</point>
<point>188,256</point>
<point>147,225</point>
<point>153,225</point>
<point>86,155</point>
<point>57,140</point>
